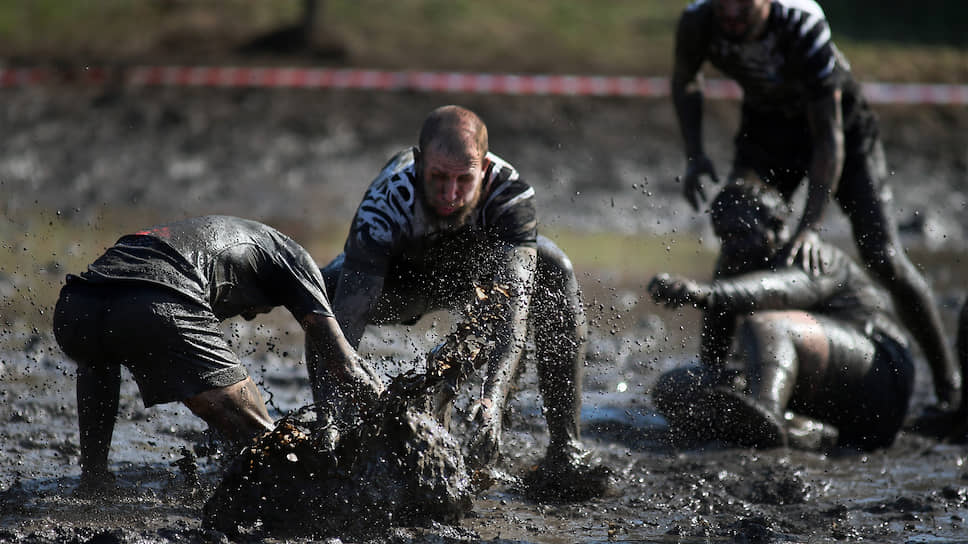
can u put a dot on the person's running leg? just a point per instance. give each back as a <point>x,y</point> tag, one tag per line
<point>867,203</point>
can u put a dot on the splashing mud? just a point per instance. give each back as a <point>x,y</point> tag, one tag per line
<point>396,466</point>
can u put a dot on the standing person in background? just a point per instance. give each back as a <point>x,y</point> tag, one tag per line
<point>153,303</point>
<point>803,115</point>
<point>440,218</point>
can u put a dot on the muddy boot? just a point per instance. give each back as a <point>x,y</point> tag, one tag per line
<point>743,421</point>
<point>804,433</point>
<point>568,475</point>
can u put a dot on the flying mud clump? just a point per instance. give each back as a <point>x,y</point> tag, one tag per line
<point>395,465</point>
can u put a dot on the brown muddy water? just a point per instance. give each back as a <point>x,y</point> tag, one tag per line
<point>300,161</point>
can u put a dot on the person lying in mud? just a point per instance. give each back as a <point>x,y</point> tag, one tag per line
<point>153,303</point>
<point>804,116</point>
<point>439,218</point>
<point>824,345</point>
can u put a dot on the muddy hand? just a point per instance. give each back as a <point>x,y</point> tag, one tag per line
<point>366,385</point>
<point>805,248</point>
<point>692,187</point>
<point>484,446</point>
<point>674,291</point>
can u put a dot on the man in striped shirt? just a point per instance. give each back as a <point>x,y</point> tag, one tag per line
<point>441,218</point>
<point>803,115</point>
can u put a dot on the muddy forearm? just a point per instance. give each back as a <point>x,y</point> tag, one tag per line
<point>686,86</point>
<point>827,161</point>
<point>354,300</point>
<point>333,365</point>
<point>790,288</point>
<point>688,99</point>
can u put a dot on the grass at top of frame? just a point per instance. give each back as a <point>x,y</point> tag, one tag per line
<point>889,40</point>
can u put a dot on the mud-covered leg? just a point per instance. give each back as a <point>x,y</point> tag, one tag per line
<point>771,357</point>
<point>868,206</point>
<point>786,353</point>
<point>98,390</point>
<point>560,331</point>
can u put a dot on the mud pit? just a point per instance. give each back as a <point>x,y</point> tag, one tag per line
<point>299,161</point>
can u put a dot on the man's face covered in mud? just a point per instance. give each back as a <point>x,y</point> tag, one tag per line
<point>451,183</point>
<point>749,227</point>
<point>740,19</point>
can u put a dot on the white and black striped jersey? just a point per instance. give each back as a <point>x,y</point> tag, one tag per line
<point>792,62</point>
<point>393,226</point>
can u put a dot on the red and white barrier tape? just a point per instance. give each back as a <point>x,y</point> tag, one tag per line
<point>513,84</point>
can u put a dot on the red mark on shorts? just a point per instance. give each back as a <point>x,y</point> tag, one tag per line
<point>160,232</point>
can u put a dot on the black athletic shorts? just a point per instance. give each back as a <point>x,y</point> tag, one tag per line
<point>778,148</point>
<point>868,400</point>
<point>173,347</point>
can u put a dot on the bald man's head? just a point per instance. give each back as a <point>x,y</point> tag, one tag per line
<point>451,164</point>
<point>455,131</point>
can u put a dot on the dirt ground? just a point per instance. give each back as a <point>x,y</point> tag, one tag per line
<point>73,160</point>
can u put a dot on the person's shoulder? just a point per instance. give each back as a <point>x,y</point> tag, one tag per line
<point>696,25</point>
<point>800,7</point>
<point>400,161</point>
<point>504,189</point>
<point>803,17</point>
<point>697,8</point>
<point>396,176</point>
<point>696,16</point>
<point>502,178</point>
<point>500,168</point>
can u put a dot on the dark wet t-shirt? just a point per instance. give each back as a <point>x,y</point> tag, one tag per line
<point>792,63</point>
<point>393,233</point>
<point>227,264</point>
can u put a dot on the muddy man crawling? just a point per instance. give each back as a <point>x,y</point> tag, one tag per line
<point>153,303</point>
<point>441,217</point>
<point>822,344</point>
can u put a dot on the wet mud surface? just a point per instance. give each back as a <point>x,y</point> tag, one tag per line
<point>300,161</point>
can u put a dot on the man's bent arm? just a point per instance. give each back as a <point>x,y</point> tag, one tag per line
<point>786,289</point>
<point>335,369</point>
<point>354,300</point>
<point>687,94</point>
<point>825,117</point>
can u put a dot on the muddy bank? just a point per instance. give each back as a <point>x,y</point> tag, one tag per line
<point>301,160</point>
<point>305,156</point>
